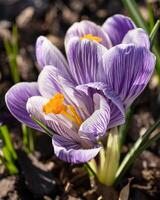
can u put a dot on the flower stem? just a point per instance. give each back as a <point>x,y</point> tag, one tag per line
<point>91,170</point>
<point>107,172</point>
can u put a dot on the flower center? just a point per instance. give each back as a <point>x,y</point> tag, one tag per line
<point>56,106</point>
<point>91,37</point>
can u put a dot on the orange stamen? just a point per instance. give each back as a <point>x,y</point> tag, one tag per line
<point>56,106</point>
<point>91,37</point>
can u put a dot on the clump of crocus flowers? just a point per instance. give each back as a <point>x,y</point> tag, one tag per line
<point>84,98</point>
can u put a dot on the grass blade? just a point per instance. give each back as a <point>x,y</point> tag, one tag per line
<point>47,130</point>
<point>135,14</point>
<point>7,140</point>
<point>154,31</point>
<point>141,144</point>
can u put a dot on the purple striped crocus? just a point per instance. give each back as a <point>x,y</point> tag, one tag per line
<point>83,96</point>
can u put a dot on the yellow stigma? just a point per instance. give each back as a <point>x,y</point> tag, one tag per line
<point>56,106</point>
<point>91,37</point>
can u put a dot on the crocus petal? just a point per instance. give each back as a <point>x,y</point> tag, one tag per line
<point>96,125</point>
<point>34,107</point>
<point>16,99</point>
<point>81,101</point>
<point>57,123</point>
<point>128,69</point>
<point>117,26</point>
<point>80,29</point>
<point>84,57</point>
<point>66,141</point>
<point>50,81</point>
<point>114,101</point>
<point>48,54</point>
<point>137,36</point>
<point>72,152</point>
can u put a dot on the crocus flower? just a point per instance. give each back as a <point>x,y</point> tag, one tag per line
<point>115,30</point>
<point>83,96</point>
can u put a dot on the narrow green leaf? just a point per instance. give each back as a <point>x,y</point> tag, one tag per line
<point>47,130</point>
<point>157,54</point>
<point>11,48</point>
<point>154,31</point>
<point>15,40</point>
<point>147,134</point>
<point>90,170</point>
<point>6,154</point>
<point>124,128</point>
<point>28,138</point>
<point>142,143</point>
<point>12,169</point>
<point>7,46</point>
<point>135,14</point>
<point>31,139</point>
<point>149,142</point>
<point>151,15</point>
<point>25,134</point>
<point>8,161</point>
<point>25,138</point>
<point>7,140</point>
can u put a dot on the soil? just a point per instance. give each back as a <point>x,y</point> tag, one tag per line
<point>41,174</point>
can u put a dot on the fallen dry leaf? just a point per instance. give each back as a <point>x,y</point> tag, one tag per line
<point>124,194</point>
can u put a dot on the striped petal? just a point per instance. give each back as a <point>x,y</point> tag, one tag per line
<point>72,152</point>
<point>57,123</point>
<point>82,102</point>
<point>117,26</point>
<point>50,81</point>
<point>68,145</point>
<point>128,69</point>
<point>80,29</point>
<point>48,54</point>
<point>117,113</point>
<point>96,125</point>
<point>137,36</point>
<point>84,57</point>
<point>16,99</point>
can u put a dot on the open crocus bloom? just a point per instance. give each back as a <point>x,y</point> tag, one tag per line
<point>82,97</point>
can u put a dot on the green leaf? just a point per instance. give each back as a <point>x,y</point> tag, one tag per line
<point>7,140</point>
<point>135,14</point>
<point>124,128</point>
<point>8,161</point>
<point>15,40</point>
<point>11,48</point>
<point>28,139</point>
<point>25,138</point>
<point>154,31</point>
<point>47,130</point>
<point>141,144</point>
<point>151,15</point>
